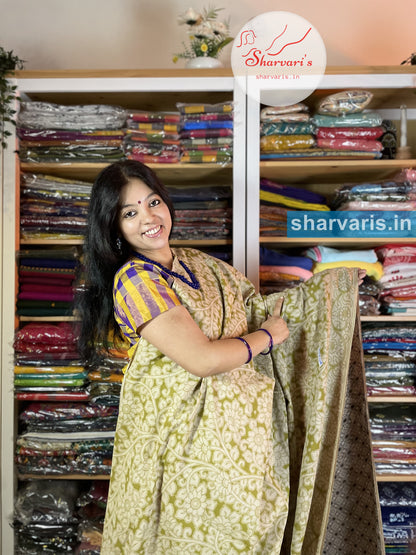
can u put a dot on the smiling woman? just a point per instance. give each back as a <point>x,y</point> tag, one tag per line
<point>145,221</point>
<point>199,407</point>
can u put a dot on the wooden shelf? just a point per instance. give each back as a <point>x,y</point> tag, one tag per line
<point>391,399</point>
<point>173,242</point>
<point>168,173</point>
<point>396,477</point>
<point>52,242</point>
<point>47,318</point>
<point>386,318</point>
<point>326,171</point>
<point>63,477</point>
<point>340,242</point>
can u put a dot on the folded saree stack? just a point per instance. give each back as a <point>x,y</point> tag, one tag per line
<point>398,511</point>
<point>66,438</point>
<point>82,133</point>
<point>341,127</point>
<point>153,137</point>
<point>57,454</point>
<point>52,207</point>
<point>91,510</point>
<point>398,296</point>
<point>393,429</point>
<point>45,517</point>
<point>390,359</point>
<point>47,365</point>
<point>105,380</point>
<point>277,199</point>
<point>326,258</point>
<point>46,282</point>
<point>345,128</point>
<point>285,132</point>
<point>202,211</point>
<point>280,271</point>
<point>206,132</point>
<point>395,194</point>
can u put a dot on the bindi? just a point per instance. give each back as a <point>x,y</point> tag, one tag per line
<point>139,202</point>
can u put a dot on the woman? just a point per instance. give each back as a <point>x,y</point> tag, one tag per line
<point>217,450</point>
<point>166,302</point>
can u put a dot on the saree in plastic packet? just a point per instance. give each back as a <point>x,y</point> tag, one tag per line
<point>246,461</point>
<point>275,143</point>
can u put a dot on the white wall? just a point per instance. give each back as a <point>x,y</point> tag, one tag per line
<point>135,34</point>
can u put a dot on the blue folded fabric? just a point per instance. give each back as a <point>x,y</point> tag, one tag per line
<point>393,345</point>
<point>269,257</point>
<point>292,192</point>
<point>329,254</point>
<point>207,125</point>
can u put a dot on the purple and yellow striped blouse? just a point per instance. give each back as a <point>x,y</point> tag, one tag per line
<point>141,291</point>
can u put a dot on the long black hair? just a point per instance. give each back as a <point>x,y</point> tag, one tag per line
<point>105,252</point>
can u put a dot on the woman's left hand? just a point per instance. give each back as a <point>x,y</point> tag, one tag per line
<point>361,275</point>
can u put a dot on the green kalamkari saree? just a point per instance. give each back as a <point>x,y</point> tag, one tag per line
<point>273,457</point>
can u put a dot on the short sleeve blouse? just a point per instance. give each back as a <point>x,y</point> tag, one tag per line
<point>141,292</point>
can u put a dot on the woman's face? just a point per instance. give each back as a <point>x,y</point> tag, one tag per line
<point>144,220</point>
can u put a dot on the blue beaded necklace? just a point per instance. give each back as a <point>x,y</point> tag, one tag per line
<point>194,283</point>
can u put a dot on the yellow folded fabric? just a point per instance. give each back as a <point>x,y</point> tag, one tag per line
<point>275,143</point>
<point>48,369</point>
<point>374,269</point>
<point>290,202</point>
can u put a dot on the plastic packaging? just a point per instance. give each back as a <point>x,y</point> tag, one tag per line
<point>46,115</point>
<point>350,144</point>
<point>62,334</point>
<point>271,143</point>
<point>367,133</point>
<point>368,305</point>
<point>362,119</point>
<point>345,102</point>
<point>46,501</point>
<point>287,128</point>
<point>149,116</point>
<point>193,108</point>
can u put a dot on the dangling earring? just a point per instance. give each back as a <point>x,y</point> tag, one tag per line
<point>119,245</point>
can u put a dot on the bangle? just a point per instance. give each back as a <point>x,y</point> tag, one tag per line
<point>271,343</point>
<point>250,352</point>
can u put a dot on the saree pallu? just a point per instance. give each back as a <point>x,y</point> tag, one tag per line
<point>245,462</point>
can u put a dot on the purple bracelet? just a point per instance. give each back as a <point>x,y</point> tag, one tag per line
<point>250,352</point>
<point>271,343</point>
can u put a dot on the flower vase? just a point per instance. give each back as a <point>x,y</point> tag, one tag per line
<point>203,62</point>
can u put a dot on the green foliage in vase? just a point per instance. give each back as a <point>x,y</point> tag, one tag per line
<point>9,62</point>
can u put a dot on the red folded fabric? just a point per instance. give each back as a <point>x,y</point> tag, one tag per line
<point>350,144</point>
<point>368,133</point>
<point>37,296</point>
<point>50,289</point>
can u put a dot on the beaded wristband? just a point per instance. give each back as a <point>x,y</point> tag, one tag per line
<point>271,343</point>
<point>250,352</point>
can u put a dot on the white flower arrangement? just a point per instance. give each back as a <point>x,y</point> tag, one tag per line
<point>207,36</point>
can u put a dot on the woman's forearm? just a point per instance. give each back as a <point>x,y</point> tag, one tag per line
<point>177,335</point>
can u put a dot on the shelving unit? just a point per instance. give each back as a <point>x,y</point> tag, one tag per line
<point>144,90</point>
<point>161,90</point>
<point>391,87</point>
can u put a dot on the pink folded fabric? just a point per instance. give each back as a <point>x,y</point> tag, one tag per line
<point>368,133</point>
<point>350,144</point>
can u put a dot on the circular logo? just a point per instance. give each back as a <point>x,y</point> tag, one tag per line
<point>279,58</point>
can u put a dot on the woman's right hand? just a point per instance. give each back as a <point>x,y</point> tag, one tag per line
<point>276,325</point>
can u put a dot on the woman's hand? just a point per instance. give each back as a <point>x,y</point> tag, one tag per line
<point>276,325</point>
<point>361,275</point>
